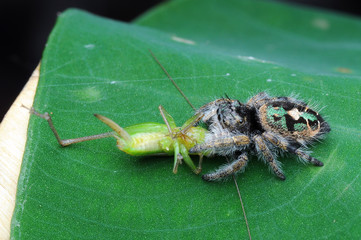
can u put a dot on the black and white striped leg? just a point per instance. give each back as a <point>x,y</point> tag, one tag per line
<point>306,156</point>
<point>226,170</point>
<point>268,156</point>
<point>221,142</point>
<point>284,145</point>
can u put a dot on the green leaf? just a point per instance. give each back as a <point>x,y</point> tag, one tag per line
<point>94,65</point>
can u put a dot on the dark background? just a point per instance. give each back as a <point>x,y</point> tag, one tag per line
<point>26,24</point>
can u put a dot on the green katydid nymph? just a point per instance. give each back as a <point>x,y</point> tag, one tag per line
<point>148,138</point>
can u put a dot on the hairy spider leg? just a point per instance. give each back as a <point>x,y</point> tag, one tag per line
<point>268,156</point>
<point>221,142</point>
<point>283,144</point>
<point>222,145</point>
<point>258,99</point>
<point>307,157</point>
<point>180,151</point>
<point>67,142</point>
<point>226,170</point>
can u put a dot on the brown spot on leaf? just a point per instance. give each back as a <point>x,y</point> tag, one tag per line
<point>344,70</point>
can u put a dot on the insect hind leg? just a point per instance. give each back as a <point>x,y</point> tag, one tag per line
<point>66,142</point>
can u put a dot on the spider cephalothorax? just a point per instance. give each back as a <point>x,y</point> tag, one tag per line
<point>265,126</point>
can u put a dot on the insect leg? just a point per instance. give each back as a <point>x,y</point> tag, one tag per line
<point>283,144</point>
<point>200,162</point>
<point>191,122</point>
<point>185,128</point>
<point>178,147</point>
<point>177,157</point>
<point>187,159</point>
<point>168,120</point>
<point>268,156</point>
<point>67,142</point>
<point>236,166</point>
<point>118,129</point>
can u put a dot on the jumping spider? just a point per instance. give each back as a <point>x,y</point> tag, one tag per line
<point>265,126</point>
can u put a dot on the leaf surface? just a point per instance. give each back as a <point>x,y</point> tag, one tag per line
<point>95,65</point>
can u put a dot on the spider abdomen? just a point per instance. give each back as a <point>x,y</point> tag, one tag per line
<point>293,120</point>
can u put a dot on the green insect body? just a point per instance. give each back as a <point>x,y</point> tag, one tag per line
<point>154,138</point>
<point>149,138</point>
<point>159,139</point>
<point>146,139</point>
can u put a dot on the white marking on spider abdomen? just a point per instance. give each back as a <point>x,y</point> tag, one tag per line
<point>294,113</point>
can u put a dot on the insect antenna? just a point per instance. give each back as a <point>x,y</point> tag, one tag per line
<point>170,78</point>
<point>166,118</point>
<point>243,210</point>
<point>190,104</point>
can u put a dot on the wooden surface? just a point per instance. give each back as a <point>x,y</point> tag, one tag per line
<point>13,132</point>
